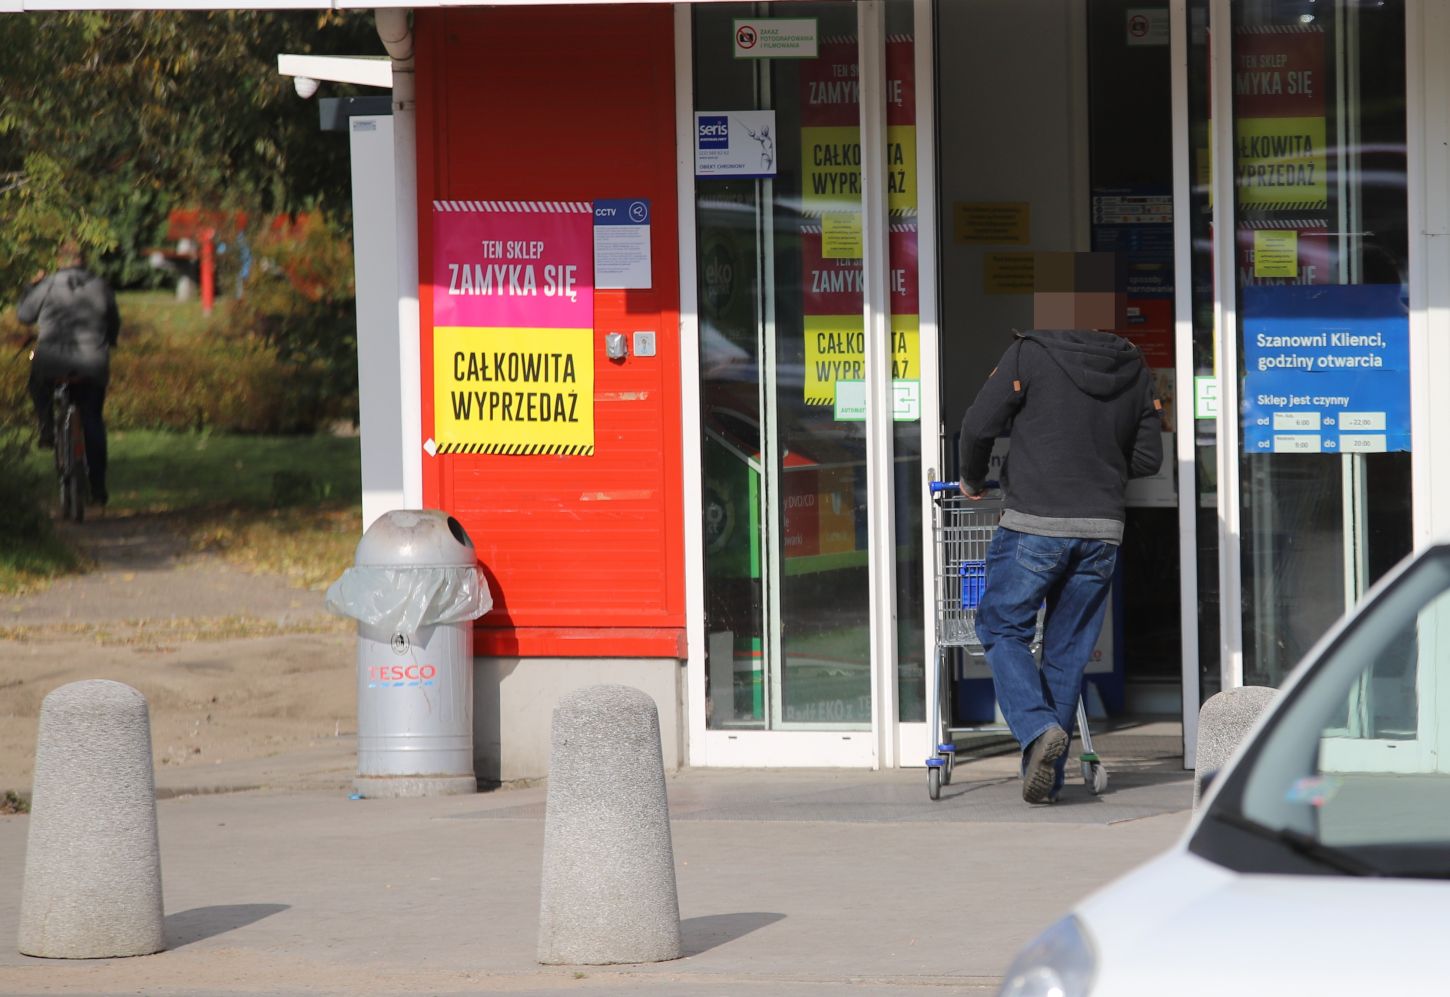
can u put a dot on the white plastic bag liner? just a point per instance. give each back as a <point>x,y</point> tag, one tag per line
<point>404,600</point>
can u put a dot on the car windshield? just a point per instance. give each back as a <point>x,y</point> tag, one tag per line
<point>1353,773</point>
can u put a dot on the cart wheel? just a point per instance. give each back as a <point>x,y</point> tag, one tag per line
<point>1095,776</point>
<point>946,776</point>
<point>933,782</point>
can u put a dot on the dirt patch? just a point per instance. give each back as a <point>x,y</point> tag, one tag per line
<point>234,664</point>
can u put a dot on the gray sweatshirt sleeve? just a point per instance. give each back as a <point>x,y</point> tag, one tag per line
<point>990,417</point>
<point>1147,455</point>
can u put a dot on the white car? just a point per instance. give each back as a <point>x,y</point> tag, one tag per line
<point>1319,860</point>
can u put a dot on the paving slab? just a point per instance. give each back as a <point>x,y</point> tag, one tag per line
<point>790,882</point>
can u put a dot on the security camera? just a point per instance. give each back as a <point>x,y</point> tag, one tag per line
<point>305,86</point>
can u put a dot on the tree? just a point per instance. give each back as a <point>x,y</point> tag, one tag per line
<point>110,120</point>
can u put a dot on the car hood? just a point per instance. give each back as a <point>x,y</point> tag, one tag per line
<point>1185,926</point>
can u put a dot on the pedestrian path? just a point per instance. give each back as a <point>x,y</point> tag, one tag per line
<point>790,883</point>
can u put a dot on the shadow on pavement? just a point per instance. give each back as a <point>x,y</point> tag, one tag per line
<point>204,922</point>
<point>700,934</point>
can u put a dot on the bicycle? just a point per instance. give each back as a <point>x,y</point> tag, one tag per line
<point>71,468</point>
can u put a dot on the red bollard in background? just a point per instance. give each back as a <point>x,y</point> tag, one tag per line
<point>208,269</point>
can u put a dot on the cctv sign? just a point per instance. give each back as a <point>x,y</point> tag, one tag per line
<point>735,144</point>
<point>777,38</point>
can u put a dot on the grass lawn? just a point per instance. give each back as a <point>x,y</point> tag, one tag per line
<point>285,504</point>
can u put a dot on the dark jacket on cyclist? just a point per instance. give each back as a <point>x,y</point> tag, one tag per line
<point>78,324</point>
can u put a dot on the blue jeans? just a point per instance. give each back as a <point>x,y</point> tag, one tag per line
<point>1072,577</point>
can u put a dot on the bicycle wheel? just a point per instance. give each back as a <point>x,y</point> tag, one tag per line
<point>73,476</point>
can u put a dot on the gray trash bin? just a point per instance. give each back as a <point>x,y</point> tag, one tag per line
<point>415,589</point>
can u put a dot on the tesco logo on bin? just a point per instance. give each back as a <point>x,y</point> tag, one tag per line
<point>714,131</point>
<point>391,676</point>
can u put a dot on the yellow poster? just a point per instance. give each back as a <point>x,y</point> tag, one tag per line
<point>513,391</point>
<point>1008,273</point>
<point>832,157</point>
<point>836,351</point>
<point>1276,253</point>
<point>987,223</point>
<point>841,237</point>
<point>1280,163</point>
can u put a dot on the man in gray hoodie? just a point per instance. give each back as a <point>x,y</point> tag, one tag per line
<point>78,323</point>
<point>1082,417</point>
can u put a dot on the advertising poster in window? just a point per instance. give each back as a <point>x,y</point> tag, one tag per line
<point>1281,157</point>
<point>513,318</point>
<point>831,240</point>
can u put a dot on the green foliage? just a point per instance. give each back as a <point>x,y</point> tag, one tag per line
<point>179,370</point>
<point>110,120</point>
<point>301,305</point>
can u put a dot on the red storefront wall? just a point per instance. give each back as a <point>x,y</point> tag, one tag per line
<point>584,554</point>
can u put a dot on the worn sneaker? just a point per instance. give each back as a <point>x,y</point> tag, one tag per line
<point>1039,773</point>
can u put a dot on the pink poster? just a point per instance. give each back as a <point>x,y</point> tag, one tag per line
<point>513,336</point>
<point>513,264</point>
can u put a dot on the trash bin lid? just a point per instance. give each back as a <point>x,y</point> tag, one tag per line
<point>410,538</point>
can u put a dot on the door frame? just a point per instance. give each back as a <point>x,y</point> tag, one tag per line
<point>887,741</point>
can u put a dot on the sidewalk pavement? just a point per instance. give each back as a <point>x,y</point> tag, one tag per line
<point>790,882</point>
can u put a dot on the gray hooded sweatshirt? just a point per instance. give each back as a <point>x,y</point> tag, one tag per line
<point>78,324</point>
<point>1082,417</point>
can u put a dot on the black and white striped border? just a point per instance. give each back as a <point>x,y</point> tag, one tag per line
<point>900,228</point>
<point>1264,207</point>
<point>519,449</point>
<point>1284,223</point>
<point>1279,29</point>
<point>523,207</point>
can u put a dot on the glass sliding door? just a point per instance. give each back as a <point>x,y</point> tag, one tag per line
<point>1318,298</point>
<point>780,325</point>
<point>796,305</point>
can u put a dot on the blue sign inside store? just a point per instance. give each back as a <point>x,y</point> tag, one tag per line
<point>1326,369</point>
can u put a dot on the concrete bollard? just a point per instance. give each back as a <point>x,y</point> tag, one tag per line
<point>609,864</point>
<point>1223,720</point>
<point>92,860</point>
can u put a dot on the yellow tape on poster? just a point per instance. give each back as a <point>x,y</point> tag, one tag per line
<point>832,157</point>
<point>1280,163</point>
<point>836,351</point>
<point>513,391</point>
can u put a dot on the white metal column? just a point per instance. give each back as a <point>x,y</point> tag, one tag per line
<point>692,464</point>
<point>379,358</point>
<point>1186,434</point>
<point>1226,347</point>
<point>915,740</point>
<point>1428,117</point>
<point>876,312</point>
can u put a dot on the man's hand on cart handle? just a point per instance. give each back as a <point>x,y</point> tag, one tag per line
<point>975,496</point>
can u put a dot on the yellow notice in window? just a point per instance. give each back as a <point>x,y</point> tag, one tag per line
<point>840,237</point>
<point>989,223</point>
<point>1276,253</point>
<point>1008,273</point>
<point>513,391</point>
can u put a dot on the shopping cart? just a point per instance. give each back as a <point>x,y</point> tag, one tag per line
<point>961,530</point>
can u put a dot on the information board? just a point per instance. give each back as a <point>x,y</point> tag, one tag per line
<point>1326,369</point>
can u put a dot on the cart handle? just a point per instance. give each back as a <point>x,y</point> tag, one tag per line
<point>937,487</point>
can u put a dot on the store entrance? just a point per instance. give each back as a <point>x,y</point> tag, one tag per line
<point>1055,134</point>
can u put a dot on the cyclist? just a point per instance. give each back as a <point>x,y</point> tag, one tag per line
<point>77,324</point>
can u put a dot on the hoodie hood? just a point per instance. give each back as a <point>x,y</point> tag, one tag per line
<point>1100,364</point>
